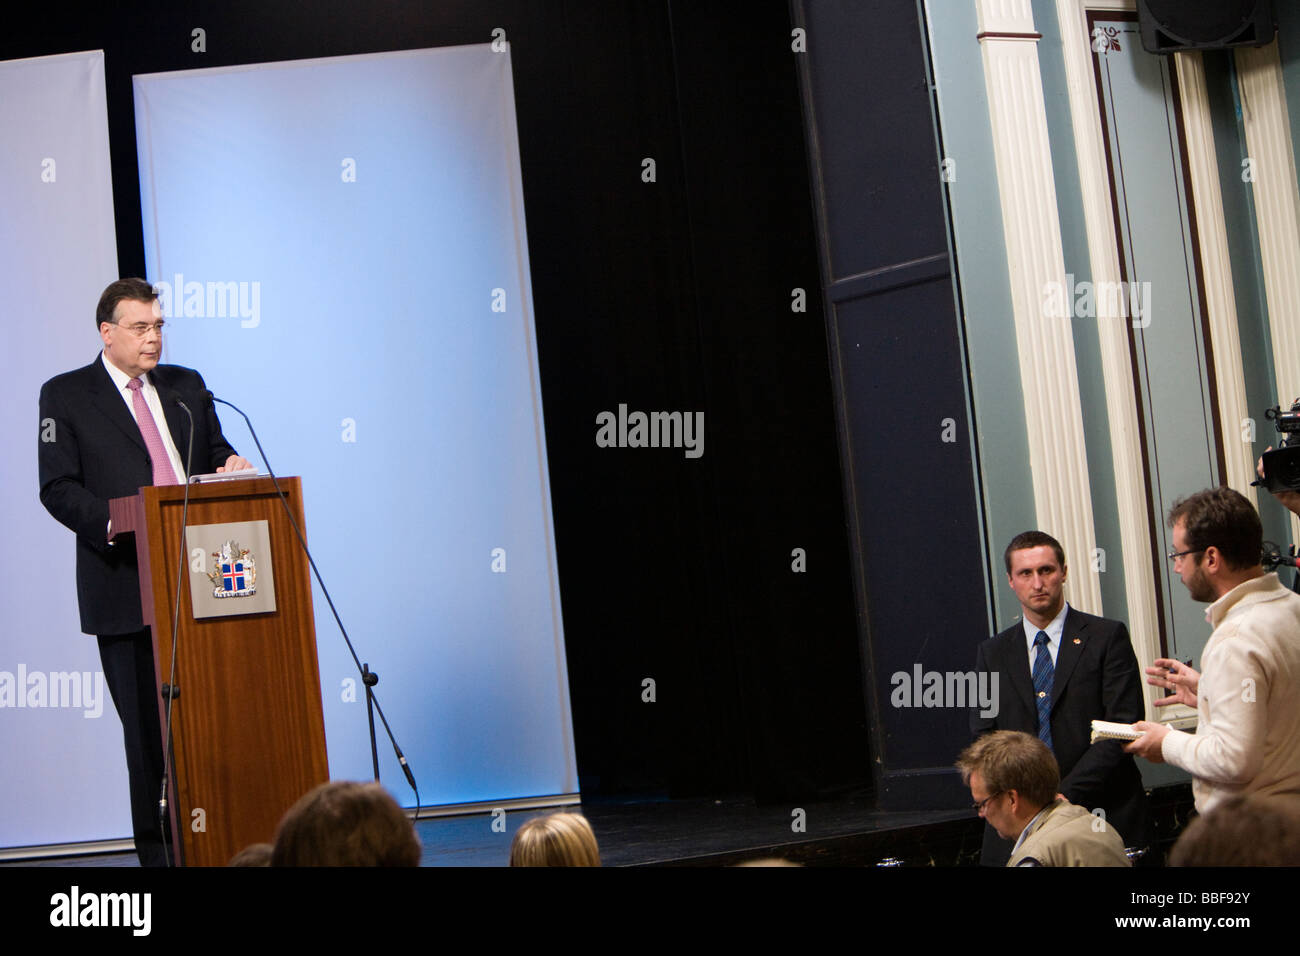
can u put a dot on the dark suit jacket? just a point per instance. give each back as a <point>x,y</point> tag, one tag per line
<point>1096,678</point>
<point>95,452</point>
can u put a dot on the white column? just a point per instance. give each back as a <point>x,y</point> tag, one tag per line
<point>1131,493</point>
<point>1032,232</point>
<point>1277,211</point>
<point>1216,273</point>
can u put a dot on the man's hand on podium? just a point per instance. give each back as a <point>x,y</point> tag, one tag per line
<point>235,463</point>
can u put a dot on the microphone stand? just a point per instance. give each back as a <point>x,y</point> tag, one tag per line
<point>368,677</point>
<point>169,690</point>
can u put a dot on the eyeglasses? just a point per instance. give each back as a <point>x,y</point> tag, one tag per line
<point>979,807</point>
<point>141,329</point>
<point>1175,555</point>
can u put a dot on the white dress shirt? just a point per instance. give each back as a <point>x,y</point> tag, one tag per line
<point>1054,631</point>
<point>120,379</point>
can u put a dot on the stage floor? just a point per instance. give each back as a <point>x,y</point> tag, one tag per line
<point>699,832</point>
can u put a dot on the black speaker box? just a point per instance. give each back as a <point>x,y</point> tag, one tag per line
<point>1172,25</point>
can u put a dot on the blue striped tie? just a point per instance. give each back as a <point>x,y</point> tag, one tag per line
<point>1044,673</point>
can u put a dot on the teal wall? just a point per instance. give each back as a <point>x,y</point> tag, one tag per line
<point>1007,485</point>
<point>1006,482</point>
<point>1261,381</point>
<point>1007,490</point>
<point>979,247</point>
<point>1087,336</point>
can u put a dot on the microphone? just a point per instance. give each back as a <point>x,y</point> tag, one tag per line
<point>189,447</point>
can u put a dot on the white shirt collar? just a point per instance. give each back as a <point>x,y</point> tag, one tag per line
<point>1029,827</point>
<point>120,378</point>
<point>1054,629</point>
<point>1263,584</point>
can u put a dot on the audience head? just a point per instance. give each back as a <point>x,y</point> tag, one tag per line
<point>346,824</point>
<point>255,854</point>
<point>1243,831</point>
<point>557,839</point>
<point>769,861</point>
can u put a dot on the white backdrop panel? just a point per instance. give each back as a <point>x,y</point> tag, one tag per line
<point>64,772</point>
<point>345,249</point>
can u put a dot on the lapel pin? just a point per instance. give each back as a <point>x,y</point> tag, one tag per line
<point>1078,641</point>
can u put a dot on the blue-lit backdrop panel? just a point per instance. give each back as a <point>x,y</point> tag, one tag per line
<point>342,249</point>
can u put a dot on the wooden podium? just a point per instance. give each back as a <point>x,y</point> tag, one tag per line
<point>248,732</point>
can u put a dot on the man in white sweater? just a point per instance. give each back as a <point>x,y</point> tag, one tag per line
<point>1247,699</point>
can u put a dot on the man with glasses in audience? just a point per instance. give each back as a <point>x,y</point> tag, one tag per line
<point>1247,738</point>
<point>107,430</point>
<point>1013,779</point>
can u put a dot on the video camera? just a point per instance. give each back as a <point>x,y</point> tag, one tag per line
<point>1282,464</point>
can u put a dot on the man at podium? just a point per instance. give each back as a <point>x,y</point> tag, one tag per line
<point>107,430</point>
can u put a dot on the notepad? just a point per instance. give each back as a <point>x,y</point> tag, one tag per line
<point>1109,730</point>
<point>223,476</point>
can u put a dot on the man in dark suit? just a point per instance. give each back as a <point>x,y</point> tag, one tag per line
<point>106,431</point>
<point>1059,669</point>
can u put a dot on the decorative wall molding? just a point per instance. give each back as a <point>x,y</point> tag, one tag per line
<point>1131,493</point>
<point>1035,259</point>
<point>1277,210</point>
<point>1005,16</point>
<point>1216,273</point>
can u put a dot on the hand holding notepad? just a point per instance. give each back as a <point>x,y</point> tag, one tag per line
<point>1109,730</point>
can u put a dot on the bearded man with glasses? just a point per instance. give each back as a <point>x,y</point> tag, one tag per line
<point>1247,737</point>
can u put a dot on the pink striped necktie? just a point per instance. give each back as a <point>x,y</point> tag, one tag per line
<point>163,473</point>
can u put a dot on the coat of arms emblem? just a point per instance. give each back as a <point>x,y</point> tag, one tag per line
<point>234,572</point>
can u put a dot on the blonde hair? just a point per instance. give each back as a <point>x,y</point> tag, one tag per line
<point>557,839</point>
<point>1013,760</point>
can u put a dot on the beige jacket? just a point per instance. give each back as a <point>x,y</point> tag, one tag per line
<point>1068,835</point>
<point>1247,737</point>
